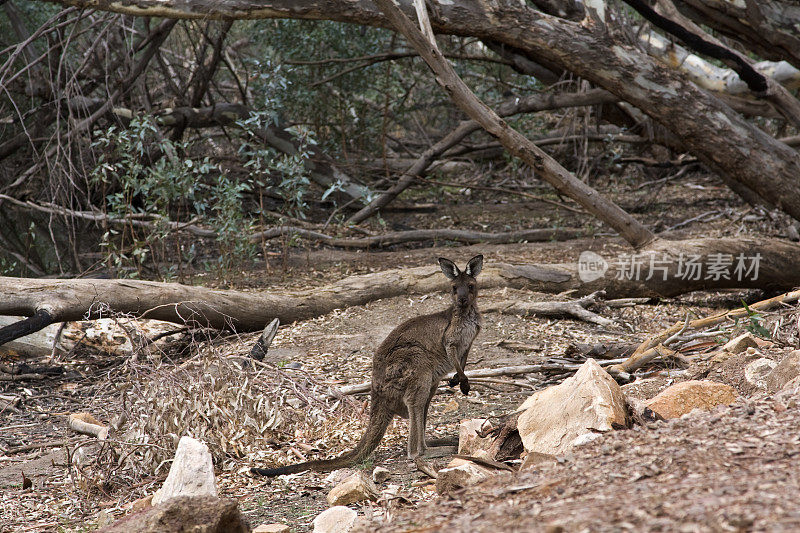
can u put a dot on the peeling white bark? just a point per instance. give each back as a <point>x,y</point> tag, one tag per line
<point>712,77</point>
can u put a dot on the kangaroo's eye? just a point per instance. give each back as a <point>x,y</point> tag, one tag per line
<point>472,288</point>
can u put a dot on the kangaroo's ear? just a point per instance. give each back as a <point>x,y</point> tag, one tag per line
<point>474,266</point>
<point>449,268</point>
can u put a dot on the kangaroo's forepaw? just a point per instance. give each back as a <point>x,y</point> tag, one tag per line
<point>465,385</point>
<point>455,380</point>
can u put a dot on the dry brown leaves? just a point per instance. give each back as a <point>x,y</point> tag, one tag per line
<point>238,407</point>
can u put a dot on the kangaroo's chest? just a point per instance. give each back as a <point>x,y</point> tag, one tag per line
<point>460,333</point>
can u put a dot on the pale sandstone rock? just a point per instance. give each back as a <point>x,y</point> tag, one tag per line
<point>191,474</point>
<point>468,440</point>
<point>338,519</point>
<point>756,372</point>
<point>682,398</point>
<point>740,344</point>
<point>380,474</point>
<point>356,488</point>
<point>784,372</point>
<point>206,514</point>
<point>460,473</point>
<point>590,401</point>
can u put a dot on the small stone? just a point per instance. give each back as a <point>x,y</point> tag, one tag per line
<point>271,528</point>
<point>337,476</point>
<point>535,459</point>
<point>740,344</point>
<point>103,518</point>
<point>380,474</point>
<point>191,474</point>
<point>682,398</point>
<point>468,440</point>
<point>142,503</point>
<point>356,488</point>
<point>460,473</point>
<point>784,372</point>
<point>756,372</point>
<point>338,519</point>
<point>792,233</point>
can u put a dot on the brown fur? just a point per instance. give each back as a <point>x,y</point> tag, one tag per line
<point>407,368</point>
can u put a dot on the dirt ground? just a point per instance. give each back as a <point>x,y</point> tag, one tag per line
<point>730,470</point>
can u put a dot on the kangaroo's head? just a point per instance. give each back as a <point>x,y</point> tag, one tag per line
<point>464,286</point>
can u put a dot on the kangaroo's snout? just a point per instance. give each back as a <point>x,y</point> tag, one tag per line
<point>462,295</point>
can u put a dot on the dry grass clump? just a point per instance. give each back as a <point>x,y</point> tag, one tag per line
<point>238,407</point>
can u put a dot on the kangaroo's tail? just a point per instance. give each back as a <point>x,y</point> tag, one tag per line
<point>378,422</point>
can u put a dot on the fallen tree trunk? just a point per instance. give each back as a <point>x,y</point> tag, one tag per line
<point>665,268</point>
<point>400,237</point>
<point>767,27</point>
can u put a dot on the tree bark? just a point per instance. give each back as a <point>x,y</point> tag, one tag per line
<point>763,86</point>
<point>710,129</point>
<point>78,299</point>
<point>767,27</point>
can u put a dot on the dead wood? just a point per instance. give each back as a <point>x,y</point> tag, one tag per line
<point>478,373</point>
<point>575,308</point>
<point>600,350</point>
<point>510,192</point>
<point>22,377</point>
<point>507,443</point>
<point>654,346</point>
<point>422,235</point>
<point>48,301</point>
<point>693,36</point>
<point>261,347</point>
<point>35,446</point>
<point>489,463</point>
<point>514,106</point>
<point>517,144</point>
<point>375,241</point>
<point>88,425</point>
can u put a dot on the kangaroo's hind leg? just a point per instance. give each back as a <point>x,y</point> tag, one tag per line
<point>416,430</point>
<point>444,446</point>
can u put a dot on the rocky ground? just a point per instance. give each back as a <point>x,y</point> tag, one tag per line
<point>731,469</point>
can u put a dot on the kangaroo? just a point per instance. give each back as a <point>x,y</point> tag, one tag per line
<point>407,368</point>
